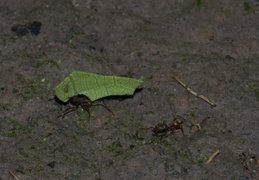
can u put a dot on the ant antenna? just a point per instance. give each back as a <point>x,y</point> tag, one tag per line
<point>172,108</point>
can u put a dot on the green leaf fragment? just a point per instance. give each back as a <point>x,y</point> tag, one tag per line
<point>95,86</point>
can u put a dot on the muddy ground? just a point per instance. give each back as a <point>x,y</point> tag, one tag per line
<point>212,46</point>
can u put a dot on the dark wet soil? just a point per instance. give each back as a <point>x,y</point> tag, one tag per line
<point>211,46</point>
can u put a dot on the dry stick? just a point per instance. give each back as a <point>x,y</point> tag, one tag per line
<point>14,176</point>
<point>194,93</point>
<point>212,157</point>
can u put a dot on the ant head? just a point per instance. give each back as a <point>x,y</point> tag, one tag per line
<point>178,121</point>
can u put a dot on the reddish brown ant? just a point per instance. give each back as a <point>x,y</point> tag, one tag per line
<point>84,103</point>
<point>163,129</point>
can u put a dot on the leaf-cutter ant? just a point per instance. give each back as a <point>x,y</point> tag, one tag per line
<point>83,102</point>
<point>164,129</point>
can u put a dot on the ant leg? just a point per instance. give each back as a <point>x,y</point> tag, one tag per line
<point>181,127</point>
<point>88,111</point>
<point>173,133</point>
<point>105,106</point>
<point>68,110</point>
<point>178,124</point>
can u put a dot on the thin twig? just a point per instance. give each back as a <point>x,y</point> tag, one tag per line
<point>194,93</point>
<point>212,157</point>
<point>14,176</point>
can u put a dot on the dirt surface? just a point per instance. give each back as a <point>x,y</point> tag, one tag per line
<point>211,46</point>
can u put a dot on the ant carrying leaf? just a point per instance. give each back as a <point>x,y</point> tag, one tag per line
<point>84,103</point>
<point>83,89</point>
